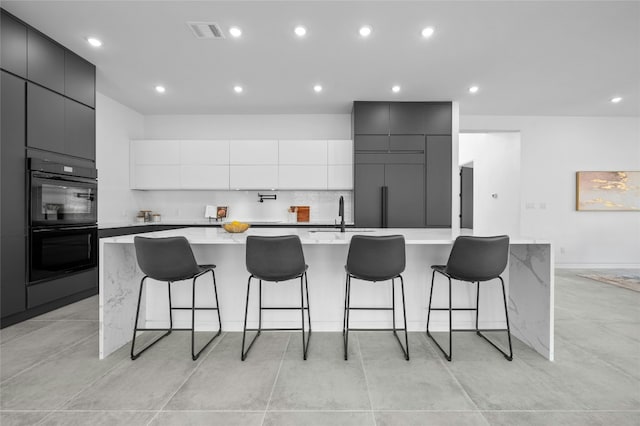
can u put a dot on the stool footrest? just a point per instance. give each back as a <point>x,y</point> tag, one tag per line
<point>196,309</point>
<point>272,308</point>
<point>362,308</point>
<point>376,329</point>
<point>454,309</point>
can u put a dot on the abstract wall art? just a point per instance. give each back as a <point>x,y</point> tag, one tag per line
<point>608,191</point>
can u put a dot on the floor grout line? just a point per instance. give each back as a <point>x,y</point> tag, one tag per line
<point>273,388</point>
<point>49,357</point>
<point>366,379</point>
<point>198,364</point>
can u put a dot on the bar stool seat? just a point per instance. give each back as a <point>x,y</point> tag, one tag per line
<point>375,259</point>
<point>474,260</point>
<point>171,259</point>
<point>276,259</point>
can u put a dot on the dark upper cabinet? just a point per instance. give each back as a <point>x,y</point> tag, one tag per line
<point>406,143</point>
<point>405,195</point>
<point>13,227</point>
<point>45,61</point>
<point>13,45</point>
<point>79,79</point>
<point>437,118</point>
<point>371,143</point>
<point>368,183</point>
<point>371,118</point>
<point>438,181</point>
<point>406,118</point>
<point>45,119</point>
<point>79,130</point>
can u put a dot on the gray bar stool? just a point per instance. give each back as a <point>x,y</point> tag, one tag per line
<point>474,260</point>
<point>171,259</point>
<point>376,258</point>
<point>276,259</point>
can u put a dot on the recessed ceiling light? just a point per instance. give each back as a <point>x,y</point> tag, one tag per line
<point>365,31</point>
<point>474,89</point>
<point>235,32</point>
<point>395,89</point>
<point>317,88</point>
<point>238,89</point>
<point>300,31</point>
<point>616,99</point>
<point>427,32</point>
<point>160,89</point>
<point>94,41</point>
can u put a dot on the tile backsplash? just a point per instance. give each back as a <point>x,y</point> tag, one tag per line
<point>243,205</point>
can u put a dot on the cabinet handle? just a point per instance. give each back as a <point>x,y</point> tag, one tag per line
<point>385,199</point>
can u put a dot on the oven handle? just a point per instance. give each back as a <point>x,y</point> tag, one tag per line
<point>63,178</point>
<point>70,228</point>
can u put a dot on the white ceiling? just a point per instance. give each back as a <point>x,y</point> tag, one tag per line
<point>529,58</point>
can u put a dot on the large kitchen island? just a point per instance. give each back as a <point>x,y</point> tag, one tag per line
<point>529,279</point>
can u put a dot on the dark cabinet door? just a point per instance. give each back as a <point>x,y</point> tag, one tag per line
<point>368,183</point>
<point>405,194</point>
<point>438,181</point>
<point>13,46</point>
<point>406,118</point>
<point>371,118</point>
<point>45,119</point>
<point>403,143</point>
<point>13,208</point>
<point>79,130</point>
<point>79,79</point>
<point>371,143</point>
<point>437,118</point>
<point>45,61</point>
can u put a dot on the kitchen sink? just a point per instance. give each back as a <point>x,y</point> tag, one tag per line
<point>345,230</point>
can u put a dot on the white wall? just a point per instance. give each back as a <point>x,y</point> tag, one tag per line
<point>553,149</point>
<point>115,125</point>
<point>496,170</point>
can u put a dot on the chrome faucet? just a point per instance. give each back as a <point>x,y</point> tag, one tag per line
<point>341,212</point>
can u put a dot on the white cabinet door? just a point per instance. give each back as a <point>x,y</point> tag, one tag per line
<point>253,152</point>
<point>204,176</point>
<point>340,151</point>
<point>302,152</point>
<point>303,177</point>
<point>253,177</point>
<point>150,176</point>
<point>204,152</point>
<point>340,176</point>
<point>155,152</point>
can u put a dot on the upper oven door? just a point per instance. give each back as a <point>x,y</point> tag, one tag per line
<point>62,200</point>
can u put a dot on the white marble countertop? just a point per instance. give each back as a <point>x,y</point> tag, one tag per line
<point>194,222</point>
<point>216,235</point>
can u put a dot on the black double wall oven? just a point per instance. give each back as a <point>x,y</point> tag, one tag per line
<point>63,220</point>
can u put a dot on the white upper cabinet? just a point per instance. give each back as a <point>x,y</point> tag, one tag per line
<point>340,152</point>
<point>299,152</point>
<point>204,152</point>
<point>253,152</point>
<point>241,164</point>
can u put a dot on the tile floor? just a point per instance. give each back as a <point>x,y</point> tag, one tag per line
<point>50,374</point>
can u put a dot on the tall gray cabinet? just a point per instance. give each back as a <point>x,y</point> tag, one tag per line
<point>402,164</point>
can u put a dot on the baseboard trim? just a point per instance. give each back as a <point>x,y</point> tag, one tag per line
<point>597,266</point>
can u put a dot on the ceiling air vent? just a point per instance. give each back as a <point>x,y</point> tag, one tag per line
<point>205,30</point>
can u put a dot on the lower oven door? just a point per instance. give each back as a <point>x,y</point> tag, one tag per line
<point>56,252</point>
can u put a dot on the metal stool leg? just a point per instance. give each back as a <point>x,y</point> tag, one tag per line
<point>243,355</point>
<point>405,348</point>
<point>344,317</point>
<point>305,343</point>
<point>508,356</point>
<point>348,304</point>
<point>134,355</point>
<point>447,356</point>
<point>194,355</point>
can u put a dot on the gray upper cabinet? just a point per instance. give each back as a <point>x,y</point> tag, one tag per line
<point>371,143</point>
<point>406,118</point>
<point>437,118</point>
<point>45,61</point>
<point>13,45</point>
<point>438,181</point>
<point>79,79</point>
<point>371,118</point>
<point>405,195</point>
<point>45,119</point>
<point>79,130</point>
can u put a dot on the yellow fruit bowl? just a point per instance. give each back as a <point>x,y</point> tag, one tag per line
<point>235,227</point>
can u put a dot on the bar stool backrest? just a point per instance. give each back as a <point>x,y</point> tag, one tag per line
<point>478,258</point>
<point>376,258</point>
<point>277,258</point>
<point>166,259</point>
